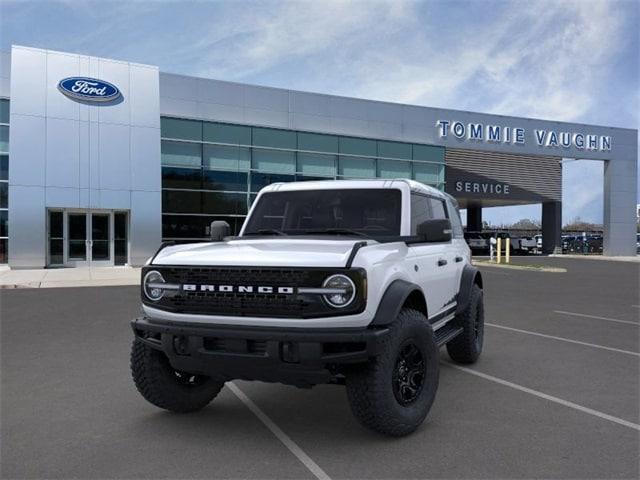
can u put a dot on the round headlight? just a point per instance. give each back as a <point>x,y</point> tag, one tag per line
<point>344,291</point>
<point>150,285</point>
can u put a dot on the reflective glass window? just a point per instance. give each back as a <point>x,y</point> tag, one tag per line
<point>4,111</point>
<point>4,251</point>
<point>181,154</point>
<point>394,169</point>
<point>358,146</point>
<point>176,201</point>
<point>274,161</point>
<point>174,177</point>
<point>394,150</point>
<point>219,180</point>
<point>357,167</point>
<point>226,157</point>
<point>428,173</point>
<point>4,139</point>
<point>4,195</point>
<point>316,164</point>
<point>318,143</point>
<point>4,220</point>
<point>427,153</point>
<point>420,211</point>
<point>226,203</point>
<point>182,129</point>
<point>4,167</point>
<point>225,133</point>
<point>271,137</point>
<point>260,180</point>
<point>438,210</point>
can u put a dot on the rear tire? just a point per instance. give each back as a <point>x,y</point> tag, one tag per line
<point>394,392</point>
<point>160,384</point>
<point>467,347</point>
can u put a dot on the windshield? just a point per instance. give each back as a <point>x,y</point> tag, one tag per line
<point>359,212</point>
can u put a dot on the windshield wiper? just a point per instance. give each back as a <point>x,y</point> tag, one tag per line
<point>338,231</point>
<point>267,231</point>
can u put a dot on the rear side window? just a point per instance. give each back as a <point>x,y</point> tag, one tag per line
<point>438,210</point>
<point>420,211</point>
<point>456,223</point>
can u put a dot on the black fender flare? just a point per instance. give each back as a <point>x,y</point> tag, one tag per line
<point>470,276</point>
<point>392,301</point>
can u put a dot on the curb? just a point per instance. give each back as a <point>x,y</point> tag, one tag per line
<point>521,267</point>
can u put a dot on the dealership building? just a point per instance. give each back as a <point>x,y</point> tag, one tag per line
<point>101,160</point>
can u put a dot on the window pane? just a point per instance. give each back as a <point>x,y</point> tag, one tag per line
<point>274,161</point>
<point>317,143</point>
<point>428,173</point>
<point>225,203</point>
<point>428,153</point>
<point>224,133</point>
<point>56,252</point>
<point>437,208</point>
<point>183,129</point>
<point>4,111</point>
<point>4,193</point>
<point>175,201</point>
<point>217,180</point>
<point>4,167</point>
<point>393,169</point>
<point>317,164</point>
<point>357,167</point>
<point>260,180</point>
<point>227,158</point>
<point>4,251</point>
<point>55,225</point>
<point>173,177</point>
<point>419,211</point>
<point>358,146</point>
<point>394,150</point>
<point>179,153</point>
<point>456,223</point>
<point>4,223</point>
<point>4,139</point>
<point>271,137</point>
<point>185,226</point>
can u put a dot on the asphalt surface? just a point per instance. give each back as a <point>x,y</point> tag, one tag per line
<point>545,407</point>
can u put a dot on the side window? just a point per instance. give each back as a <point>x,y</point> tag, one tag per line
<point>456,223</point>
<point>438,209</point>
<point>420,211</point>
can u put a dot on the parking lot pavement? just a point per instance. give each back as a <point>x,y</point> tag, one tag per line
<point>543,407</point>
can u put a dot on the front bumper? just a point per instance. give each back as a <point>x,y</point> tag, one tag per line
<point>292,356</point>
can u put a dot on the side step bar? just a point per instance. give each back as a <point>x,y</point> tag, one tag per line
<point>447,333</point>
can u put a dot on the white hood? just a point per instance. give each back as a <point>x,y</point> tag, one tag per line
<point>269,252</point>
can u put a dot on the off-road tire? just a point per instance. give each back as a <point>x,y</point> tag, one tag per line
<point>160,384</point>
<point>467,347</point>
<point>370,388</point>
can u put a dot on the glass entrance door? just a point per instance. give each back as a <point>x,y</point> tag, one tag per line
<point>87,238</point>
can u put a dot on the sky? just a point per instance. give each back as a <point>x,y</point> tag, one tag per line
<point>558,60</point>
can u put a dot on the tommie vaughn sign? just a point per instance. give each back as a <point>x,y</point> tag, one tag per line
<point>88,89</point>
<point>478,132</point>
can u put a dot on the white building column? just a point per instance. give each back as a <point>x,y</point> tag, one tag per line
<point>620,199</point>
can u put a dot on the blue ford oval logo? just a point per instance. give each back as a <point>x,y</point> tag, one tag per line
<point>89,89</point>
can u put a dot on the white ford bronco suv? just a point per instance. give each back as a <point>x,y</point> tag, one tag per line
<point>351,282</point>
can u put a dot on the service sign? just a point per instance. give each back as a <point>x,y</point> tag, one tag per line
<point>88,89</point>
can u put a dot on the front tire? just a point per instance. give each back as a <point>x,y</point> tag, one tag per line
<point>163,386</point>
<point>467,347</point>
<point>394,392</point>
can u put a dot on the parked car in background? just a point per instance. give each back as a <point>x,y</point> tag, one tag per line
<point>477,242</point>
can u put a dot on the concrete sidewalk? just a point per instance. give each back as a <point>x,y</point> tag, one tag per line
<point>69,277</point>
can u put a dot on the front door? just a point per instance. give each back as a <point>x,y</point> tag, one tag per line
<point>87,238</point>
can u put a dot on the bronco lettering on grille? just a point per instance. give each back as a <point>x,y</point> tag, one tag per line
<point>190,287</point>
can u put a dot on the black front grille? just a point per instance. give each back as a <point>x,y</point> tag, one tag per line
<point>252,304</point>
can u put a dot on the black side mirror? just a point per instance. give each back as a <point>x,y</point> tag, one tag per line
<point>434,230</point>
<point>219,230</point>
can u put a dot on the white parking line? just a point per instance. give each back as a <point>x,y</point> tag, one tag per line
<point>551,398</point>
<point>280,435</point>
<point>596,317</point>
<point>562,339</point>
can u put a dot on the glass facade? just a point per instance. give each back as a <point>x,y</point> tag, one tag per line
<point>4,180</point>
<point>212,171</point>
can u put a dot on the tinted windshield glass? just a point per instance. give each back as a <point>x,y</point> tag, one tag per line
<point>368,212</point>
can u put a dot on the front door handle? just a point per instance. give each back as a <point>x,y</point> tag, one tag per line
<point>458,259</point>
<point>442,262</point>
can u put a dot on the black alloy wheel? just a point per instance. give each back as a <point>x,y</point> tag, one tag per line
<point>408,374</point>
